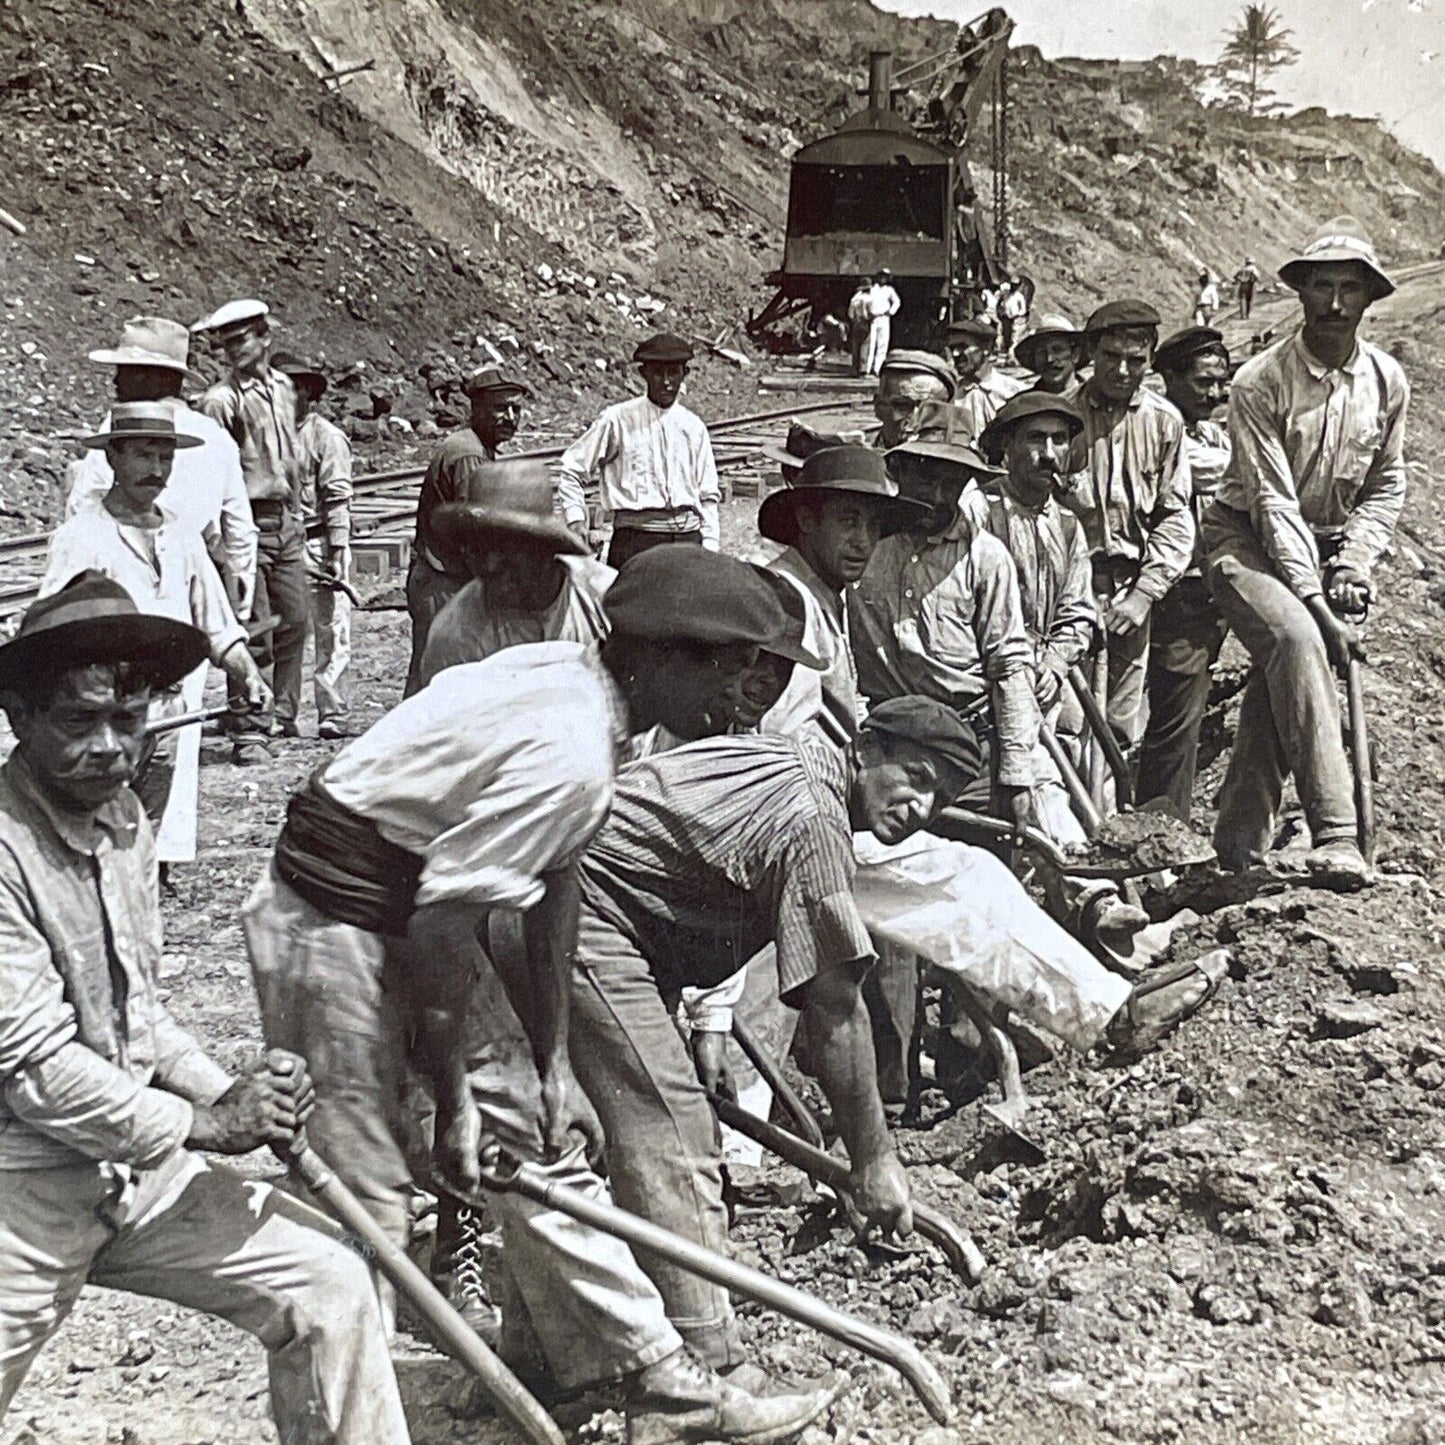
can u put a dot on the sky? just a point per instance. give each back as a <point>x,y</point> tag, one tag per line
<point>1382,58</point>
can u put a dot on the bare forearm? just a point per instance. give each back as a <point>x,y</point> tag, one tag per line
<point>848,1071</point>
<point>542,995</point>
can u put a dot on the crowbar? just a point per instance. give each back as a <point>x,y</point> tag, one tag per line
<point>510,1395</point>
<point>730,1274</point>
<point>1099,722</point>
<point>1360,757</point>
<point>774,1078</point>
<point>962,1253</point>
<point>1089,816</point>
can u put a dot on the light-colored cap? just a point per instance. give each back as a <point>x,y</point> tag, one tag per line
<point>233,313</point>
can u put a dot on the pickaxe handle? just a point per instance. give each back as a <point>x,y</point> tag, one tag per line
<point>1360,757</point>
<point>450,1330</point>
<point>1088,815</point>
<point>773,1076</point>
<point>963,1254</point>
<point>1118,764</point>
<point>741,1279</point>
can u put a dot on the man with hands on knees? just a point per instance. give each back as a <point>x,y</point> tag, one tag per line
<point>103,1096</point>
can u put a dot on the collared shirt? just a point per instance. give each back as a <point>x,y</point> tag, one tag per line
<point>940,616</point>
<point>647,460</point>
<point>259,415</point>
<point>1131,486</point>
<point>979,403</point>
<point>167,571</point>
<point>883,300</point>
<point>495,774</point>
<point>1051,556</point>
<point>92,1066</point>
<point>1318,453</point>
<point>822,705</point>
<point>324,458</point>
<point>465,631</point>
<point>206,489</point>
<point>716,848</point>
<point>448,479</point>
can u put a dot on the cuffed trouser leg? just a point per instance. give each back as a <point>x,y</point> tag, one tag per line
<point>201,1236</point>
<point>1290,719</point>
<point>663,1154</point>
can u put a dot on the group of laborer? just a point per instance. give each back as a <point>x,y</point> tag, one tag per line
<point>675,774</point>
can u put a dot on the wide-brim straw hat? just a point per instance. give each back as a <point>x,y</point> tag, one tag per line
<point>511,495</point>
<point>851,469</point>
<point>143,420</point>
<point>151,341</point>
<point>1048,326</point>
<point>94,620</point>
<point>1343,239</point>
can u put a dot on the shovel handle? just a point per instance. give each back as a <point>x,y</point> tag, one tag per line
<point>1360,757</point>
<point>1118,765</point>
<point>773,1076</point>
<point>1089,816</point>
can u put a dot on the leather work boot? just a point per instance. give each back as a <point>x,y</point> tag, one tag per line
<point>457,1270</point>
<point>678,1402</point>
<point>1339,865</point>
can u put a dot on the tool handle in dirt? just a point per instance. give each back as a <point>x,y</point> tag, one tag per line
<point>773,1076</point>
<point>1360,758</point>
<point>741,1279</point>
<point>962,1253</point>
<point>1099,723</point>
<point>448,1328</point>
<point>1089,816</point>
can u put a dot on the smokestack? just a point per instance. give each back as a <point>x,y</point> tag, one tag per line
<point>880,80</point>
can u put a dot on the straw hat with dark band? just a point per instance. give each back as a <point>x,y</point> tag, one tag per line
<point>143,420</point>
<point>847,470</point>
<point>1343,239</point>
<point>512,496</point>
<point>91,620</point>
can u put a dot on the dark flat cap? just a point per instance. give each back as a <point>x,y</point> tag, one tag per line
<point>1114,315</point>
<point>922,363</point>
<point>932,726</point>
<point>1176,351</point>
<point>666,347</point>
<point>689,594</point>
<point>972,326</point>
<point>492,379</point>
<point>1025,404</point>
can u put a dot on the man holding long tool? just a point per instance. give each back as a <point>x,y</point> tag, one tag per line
<point>106,1100</point>
<point>409,865</point>
<point>1314,489</point>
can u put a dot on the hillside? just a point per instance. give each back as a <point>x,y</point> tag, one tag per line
<point>550,181</point>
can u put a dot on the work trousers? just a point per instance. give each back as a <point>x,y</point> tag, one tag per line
<point>331,627</point>
<point>1128,655</point>
<point>879,331</point>
<point>1289,720</point>
<point>627,542</point>
<point>1186,633</point>
<point>323,993</point>
<point>1246,302</point>
<point>663,1152</point>
<point>283,592</point>
<point>427,592</point>
<point>201,1236</point>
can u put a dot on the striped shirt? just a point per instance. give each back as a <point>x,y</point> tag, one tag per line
<point>1318,453</point>
<point>716,848</point>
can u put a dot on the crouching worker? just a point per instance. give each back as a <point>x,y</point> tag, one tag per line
<point>103,1097</point>
<point>407,869</point>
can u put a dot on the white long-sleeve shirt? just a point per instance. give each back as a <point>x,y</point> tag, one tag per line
<point>647,460</point>
<point>206,490</point>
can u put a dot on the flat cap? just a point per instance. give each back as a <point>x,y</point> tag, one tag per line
<point>493,378</point>
<point>233,313</point>
<point>689,594</point>
<point>922,363</point>
<point>1114,315</point>
<point>932,726</point>
<point>665,347</point>
<point>976,326</point>
<point>299,369</point>
<point>1025,404</point>
<point>1176,351</point>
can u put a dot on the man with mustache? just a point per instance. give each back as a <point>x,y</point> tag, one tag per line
<point>437,573</point>
<point>982,387</point>
<point>1314,489</point>
<point>1051,352</point>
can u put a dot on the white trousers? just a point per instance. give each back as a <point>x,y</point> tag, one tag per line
<point>878,334</point>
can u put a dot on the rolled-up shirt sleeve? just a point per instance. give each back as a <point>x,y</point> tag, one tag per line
<point>1261,465</point>
<point>334,488</point>
<point>816,921</point>
<point>1381,498</point>
<point>1170,547</point>
<point>52,1081</point>
<point>211,609</point>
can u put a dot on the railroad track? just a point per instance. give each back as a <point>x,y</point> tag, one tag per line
<point>383,508</point>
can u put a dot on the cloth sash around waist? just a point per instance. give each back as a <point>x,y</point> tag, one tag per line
<point>338,862</point>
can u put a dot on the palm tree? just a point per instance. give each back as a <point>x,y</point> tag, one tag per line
<point>1257,47</point>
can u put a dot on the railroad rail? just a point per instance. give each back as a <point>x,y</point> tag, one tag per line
<point>384,503</point>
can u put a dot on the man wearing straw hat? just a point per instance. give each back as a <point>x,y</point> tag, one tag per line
<point>436,573</point>
<point>324,458</point>
<point>1051,351</point>
<point>163,564</point>
<point>207,488</point>
<point>533,577</point>
<point>1309,503</point>
<point>107,1100</point>
<point>652,459</point>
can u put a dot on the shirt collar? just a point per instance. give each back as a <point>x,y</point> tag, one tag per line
<point>791,561</point>
<point>1099,403</point>
<point>79,833</point>
<point>1319,370</point>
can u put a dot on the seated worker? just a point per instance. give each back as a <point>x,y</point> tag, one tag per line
<point>106,1098</point>
<point>711,851</point>
<point>533,579</point>
<point>1052,351</point>
<point>407,868</point>
<point>163,563</point>
<point>908,379</point>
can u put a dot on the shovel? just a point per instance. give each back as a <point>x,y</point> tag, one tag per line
<point>1088,815</point>
<point>189,719</point>
<point>773,1077</point>
<point>1360,757</point>
<point>1015,1103</point>
<point>1103,733</point>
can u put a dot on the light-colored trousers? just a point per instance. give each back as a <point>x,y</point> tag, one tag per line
<point>879,332</point>
<point>331,623</point>
<point>199,1235</point>
<point>322,995</point>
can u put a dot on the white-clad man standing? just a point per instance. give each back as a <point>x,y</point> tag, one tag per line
<point>884,303</point>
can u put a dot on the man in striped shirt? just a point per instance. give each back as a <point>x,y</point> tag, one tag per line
<point>711,851</point>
